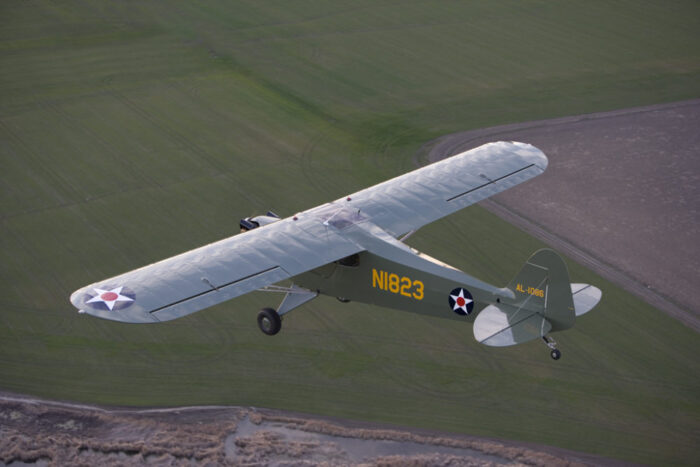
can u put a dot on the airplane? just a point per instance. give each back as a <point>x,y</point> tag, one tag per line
<point>354,248</point>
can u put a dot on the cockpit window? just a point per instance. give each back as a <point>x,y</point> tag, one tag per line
<point>340,217</point>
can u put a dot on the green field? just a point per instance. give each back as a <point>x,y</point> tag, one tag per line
<point>132,131</point>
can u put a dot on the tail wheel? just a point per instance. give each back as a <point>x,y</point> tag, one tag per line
<point>551,343</point>
<point>269,321</point>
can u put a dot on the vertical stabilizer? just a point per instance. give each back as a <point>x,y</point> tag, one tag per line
<point>543,285</point>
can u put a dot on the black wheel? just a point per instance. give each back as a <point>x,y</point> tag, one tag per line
<point>269,321</point>
<point>556,354</point>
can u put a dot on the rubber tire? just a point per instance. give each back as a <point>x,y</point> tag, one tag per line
<point>555,354</point>
<point>269,321</point>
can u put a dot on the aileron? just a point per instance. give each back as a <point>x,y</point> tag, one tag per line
<point>490,182</point>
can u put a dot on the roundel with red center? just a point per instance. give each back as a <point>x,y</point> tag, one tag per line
<point>461,301</point>
<point>110,298</point>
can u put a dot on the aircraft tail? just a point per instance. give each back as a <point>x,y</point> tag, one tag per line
<point>542,285</point>
<point>545,301</point>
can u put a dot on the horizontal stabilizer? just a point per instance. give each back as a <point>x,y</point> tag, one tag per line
<point>503,325</point>
<point>585,297</point>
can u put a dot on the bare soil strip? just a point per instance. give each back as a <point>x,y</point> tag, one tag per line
<point>39,432</point>
<point>621,196</point>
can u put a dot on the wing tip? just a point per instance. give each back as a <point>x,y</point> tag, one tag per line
<point>529,153</point>
<point>532,154</point>
<point>128,315</point>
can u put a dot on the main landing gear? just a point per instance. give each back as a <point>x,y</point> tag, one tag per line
<point>551,343</point>
<point>269,321</point>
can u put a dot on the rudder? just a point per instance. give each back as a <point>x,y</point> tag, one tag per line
<point>543,285</point>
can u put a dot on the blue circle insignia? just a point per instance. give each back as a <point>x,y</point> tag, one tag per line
<point>461,301</point>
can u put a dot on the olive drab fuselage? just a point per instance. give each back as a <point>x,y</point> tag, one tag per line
<point>377,281</point>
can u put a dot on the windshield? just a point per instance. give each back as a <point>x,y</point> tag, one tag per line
<point>340,217</point>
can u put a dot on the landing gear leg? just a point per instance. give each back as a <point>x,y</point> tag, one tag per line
<point>269,319</point>
<point>551,343</point>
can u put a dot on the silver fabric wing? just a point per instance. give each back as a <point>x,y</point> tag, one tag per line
<point>417,198</point>
<point>281,250</point>
<point>216,272</point>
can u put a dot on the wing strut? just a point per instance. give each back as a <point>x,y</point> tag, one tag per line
<point>295,297</point>
<point>270,320</point>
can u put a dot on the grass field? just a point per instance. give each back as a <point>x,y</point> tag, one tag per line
<point>132,131</point>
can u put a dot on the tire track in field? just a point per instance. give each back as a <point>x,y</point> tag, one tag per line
<point>77,124</point>
<point>307,166</point>
<point>192,147</point>
<point>402,375</point>
<point>323,178</point>
<point>37,167</point>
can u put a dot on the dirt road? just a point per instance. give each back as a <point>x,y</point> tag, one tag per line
<point>621,195</point>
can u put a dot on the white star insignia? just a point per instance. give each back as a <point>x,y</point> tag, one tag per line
<point>461,301</point>
<point>109,297</point>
